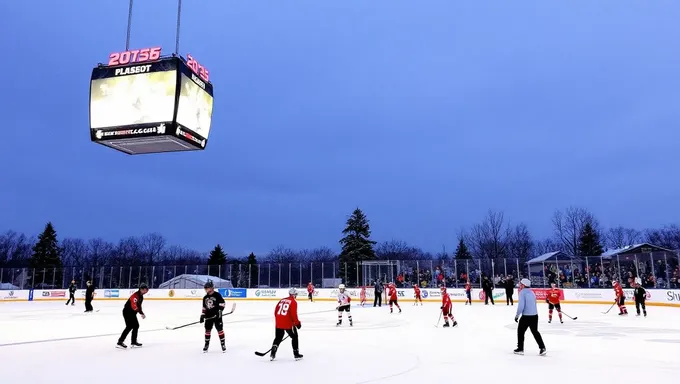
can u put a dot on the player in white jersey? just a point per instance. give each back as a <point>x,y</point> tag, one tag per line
<point>343,305</point>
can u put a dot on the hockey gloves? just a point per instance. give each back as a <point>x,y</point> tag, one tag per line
<point>516,319</point>
<point>219,314</point>
<point>202,319</point>
<point>298,326</point>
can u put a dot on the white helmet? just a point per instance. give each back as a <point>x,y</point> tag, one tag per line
<point>292,292</point>
<point>341,286</point>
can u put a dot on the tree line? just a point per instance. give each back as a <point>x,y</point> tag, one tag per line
<point>576,231</point>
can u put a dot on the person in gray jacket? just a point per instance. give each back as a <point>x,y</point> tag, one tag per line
<point>378,294</point>
<point>526,308</point>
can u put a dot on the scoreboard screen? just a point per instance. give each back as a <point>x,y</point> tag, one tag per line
<point>164,105</point>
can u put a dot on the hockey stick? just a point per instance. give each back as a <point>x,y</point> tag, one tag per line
<point>573,318</point>
<point>270,349</point>
<point>233,307</point>
<point>610,308</point>
<point>440,319</point>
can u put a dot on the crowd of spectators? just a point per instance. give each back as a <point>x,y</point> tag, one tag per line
<point>566,275</point>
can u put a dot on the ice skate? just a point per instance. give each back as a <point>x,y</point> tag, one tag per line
<point>205,347</point>
<point>455,324</point>
<point>297,355</point>
<point>224,347</point>
<point>121,345</point>
<point>272,355</point>
<point>446,325</point>
<point>542,352</point>
<point>518,352</point>
<point>136,345</point>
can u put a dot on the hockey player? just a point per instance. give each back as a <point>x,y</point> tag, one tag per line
<point>620,298</point>
<point>89,296</point>
<point>72,293</point>
<point>446,308</point>
<point>132,307</point>
<point>285,315</point>
<point>553,301</point>
<point>362,296</point>
<point>211,315</point>
<point>310,291</point>
<point>392,293</point>
<point>640,295</point>
<point>468,293</point>
<point>416,291</point>
<point>344,305</point>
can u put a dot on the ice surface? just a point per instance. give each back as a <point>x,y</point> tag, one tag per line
<point>48,342</point>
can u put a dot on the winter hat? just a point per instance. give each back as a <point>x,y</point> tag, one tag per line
<point>525,282</point>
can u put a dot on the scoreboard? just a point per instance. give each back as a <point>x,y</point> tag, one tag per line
<point>141,102</point>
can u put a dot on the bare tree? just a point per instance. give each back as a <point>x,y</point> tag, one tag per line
<point>568,226</point>
<point>667,237</point>
<point>546,246</point>
<point>520,244</point>
<point>15,249</point>
<point>489,239</point>
<point>620,237</point>
<point>321,254</point>
<point>128,251</point>
<point>398,250</point>
<point>151,246</point>
<point>282,255</point>
<point>74,252</point>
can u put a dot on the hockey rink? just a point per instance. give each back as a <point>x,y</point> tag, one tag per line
<point>49,342</point>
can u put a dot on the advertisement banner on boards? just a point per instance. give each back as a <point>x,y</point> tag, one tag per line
<point>236,293</point>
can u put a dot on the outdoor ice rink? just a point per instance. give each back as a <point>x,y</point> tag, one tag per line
<point>48,342</point>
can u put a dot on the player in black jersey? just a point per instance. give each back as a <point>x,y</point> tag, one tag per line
<point>133,306</point>
<point>213,305</point>
<point>640,295</point>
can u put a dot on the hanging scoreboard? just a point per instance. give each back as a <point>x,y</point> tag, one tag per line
<point>141,102</point>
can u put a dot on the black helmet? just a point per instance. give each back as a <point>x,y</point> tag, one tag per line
<point>143,286</point>
<point>209,284</point>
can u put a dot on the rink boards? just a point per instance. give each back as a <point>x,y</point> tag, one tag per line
<point>658,297</point>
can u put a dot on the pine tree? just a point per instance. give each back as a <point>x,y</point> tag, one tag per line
<point>46,258</point>
<point>254,270</point>
<point>217,256</point>
<point>462,252</point>
<point>356,247</point>
<point>589,242</point>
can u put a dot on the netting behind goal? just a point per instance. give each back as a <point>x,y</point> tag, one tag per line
<point>385,271</point>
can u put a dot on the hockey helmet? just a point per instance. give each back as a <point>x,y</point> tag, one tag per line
<point>208,284</point>
<point>341,286</point>
<point>638,281</point>
<point>292,292</point>
<point>143,286</point>
<point>442,288</point>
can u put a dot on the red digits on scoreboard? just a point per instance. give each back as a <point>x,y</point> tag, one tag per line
<point>200,70</point>
<point>135,56</point>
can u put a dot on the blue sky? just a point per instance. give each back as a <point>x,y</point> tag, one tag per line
<point>423,113</point>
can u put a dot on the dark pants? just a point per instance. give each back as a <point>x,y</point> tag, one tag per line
<point>278,337</point>
<point>88,305</point>
<point>530,322</point>
<point>508,297</point>
<point>219,326</point>
<point>131,324</point>
<point>311,296</point>
<point>71,298</point>
<point>638,304</point>
<point>488,294</point>
<point>378,299</point>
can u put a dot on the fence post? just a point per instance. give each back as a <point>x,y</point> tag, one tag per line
<point>322,274</point>
<point>311,272</point>
<point>300,270</point>
<point>279,275</point>
<point>667,279</point>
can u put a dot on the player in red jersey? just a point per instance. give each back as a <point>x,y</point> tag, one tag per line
<point>392,292</point>
<point>287,321</point>
<point>446,308</point>
<point>310,291</point>
<point>416,291</point>
<point>553,300</point>
<point>362,296</point>
<point>468,293</point>
<point>620,298</point>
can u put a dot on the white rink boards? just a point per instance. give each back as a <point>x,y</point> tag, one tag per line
<point>49,342</point>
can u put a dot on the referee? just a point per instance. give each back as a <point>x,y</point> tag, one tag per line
<point>529,318</point>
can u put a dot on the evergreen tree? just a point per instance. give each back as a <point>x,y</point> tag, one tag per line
<point>46,258</point>
<point>356,247</point>
<point>462,252</point>
<point>253,270</point>
<point>217,256</point>
<point>589,242</point>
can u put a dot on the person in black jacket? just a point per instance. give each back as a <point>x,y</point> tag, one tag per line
<point>89,296</point>
<point>132,307</point>
<point>72,293</point>
<point>487,287</point>
<point>640,295</point>
<point>378,294</point>
<point>509,285</point>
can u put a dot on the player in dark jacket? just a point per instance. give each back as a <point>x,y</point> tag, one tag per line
<point>640,295</point>
<point>213,305</point>
<point>132,307</point>
<point>89,296</point>
<point>72,293</point>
